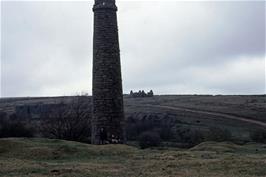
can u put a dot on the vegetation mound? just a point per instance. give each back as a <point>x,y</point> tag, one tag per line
<point>35,157</point>
<point>221,147</point>
<point>51,149</point>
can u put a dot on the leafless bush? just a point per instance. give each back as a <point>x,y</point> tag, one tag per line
<point>219,134</point>
<point>69,121</point>
<point>258,136</point>
<point>149,139</point>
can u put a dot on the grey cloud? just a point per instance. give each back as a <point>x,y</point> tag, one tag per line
<point>45,47</point>
<point>171,47</point>
<point>201,35</point>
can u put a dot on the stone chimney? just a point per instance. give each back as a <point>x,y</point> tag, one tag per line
<point>107,94</point>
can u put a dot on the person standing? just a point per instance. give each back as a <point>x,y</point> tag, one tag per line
<point>103,136</point>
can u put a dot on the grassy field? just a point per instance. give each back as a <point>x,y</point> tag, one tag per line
<point>249,106</point>
<point>180,112</point>
<point>44,157</point>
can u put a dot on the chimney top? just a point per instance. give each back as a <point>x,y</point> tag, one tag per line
<point>104,4</point>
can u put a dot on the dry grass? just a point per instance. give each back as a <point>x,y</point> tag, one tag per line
<point>42,157</point>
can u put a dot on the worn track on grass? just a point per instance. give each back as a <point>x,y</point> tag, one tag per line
<point>227,116</point>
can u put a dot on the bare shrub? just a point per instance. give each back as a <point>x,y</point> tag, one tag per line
<point>258,136</point>
<point>189,136</point>
<point>149,139</point>
<point>219,134</point>
<point>69,121</point>
<point>15,129</point>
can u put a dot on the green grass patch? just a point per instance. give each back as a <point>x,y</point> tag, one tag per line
<point>45,157</point>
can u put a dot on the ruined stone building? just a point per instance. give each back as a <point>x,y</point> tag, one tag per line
<point>108,112</point>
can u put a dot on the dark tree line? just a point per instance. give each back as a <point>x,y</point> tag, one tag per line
<point>72,121</point>
<point>12,127</point>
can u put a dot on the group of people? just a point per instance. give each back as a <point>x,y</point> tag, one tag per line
<point>104,139</point>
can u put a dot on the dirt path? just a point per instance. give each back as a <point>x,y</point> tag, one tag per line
<point>227,116</point>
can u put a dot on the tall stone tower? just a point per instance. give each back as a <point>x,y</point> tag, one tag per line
<point>108,111</point>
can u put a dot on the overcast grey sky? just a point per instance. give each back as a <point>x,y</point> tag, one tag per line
<point>172,47</point>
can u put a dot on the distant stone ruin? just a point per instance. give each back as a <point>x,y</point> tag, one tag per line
<point>141,93</point>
